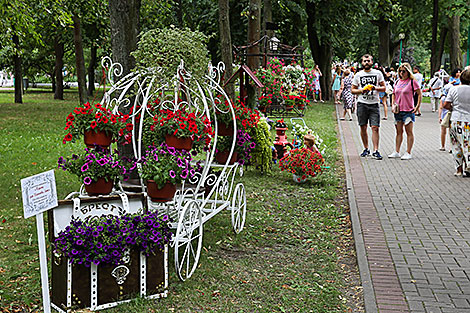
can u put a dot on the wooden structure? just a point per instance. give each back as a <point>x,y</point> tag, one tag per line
<point>245,74</point>
<point>269,47</point>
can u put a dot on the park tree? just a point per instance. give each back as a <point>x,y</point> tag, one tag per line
<point>254,32</point>
<point>326,29</point>
<point>124,17</point>
<point>18,22</point>
<point>226,43</point>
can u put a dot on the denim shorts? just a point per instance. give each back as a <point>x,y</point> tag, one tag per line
<point>405,117</point>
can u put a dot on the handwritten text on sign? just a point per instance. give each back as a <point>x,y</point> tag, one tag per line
<point>39,193</point>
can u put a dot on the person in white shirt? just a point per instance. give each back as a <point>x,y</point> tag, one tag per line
<point>419,78</point>
<point>435,86</point>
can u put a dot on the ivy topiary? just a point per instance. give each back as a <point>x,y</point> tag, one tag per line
<point>165,48</point>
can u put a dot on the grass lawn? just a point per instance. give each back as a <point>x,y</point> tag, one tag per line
<point>296,253</point>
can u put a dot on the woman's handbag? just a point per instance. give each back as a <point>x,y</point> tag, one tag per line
<point>446,120</point>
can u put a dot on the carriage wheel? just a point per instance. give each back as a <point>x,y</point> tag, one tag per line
<point>188,240</point>
<point>238,208</point>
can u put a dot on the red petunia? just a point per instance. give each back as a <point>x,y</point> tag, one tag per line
<point>93,125</point>
<point>129,127</point>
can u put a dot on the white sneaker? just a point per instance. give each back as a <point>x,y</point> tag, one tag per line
<point>394,155</point>
<point>406,156</point>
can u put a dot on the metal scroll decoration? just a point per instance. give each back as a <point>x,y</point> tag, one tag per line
<point>137,92</point>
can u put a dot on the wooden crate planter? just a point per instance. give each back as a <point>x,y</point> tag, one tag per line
<point>106,285</point>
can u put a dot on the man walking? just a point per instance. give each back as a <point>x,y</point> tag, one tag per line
<point>419,78</point>
<point>367,84</point>
<point>435,85</point>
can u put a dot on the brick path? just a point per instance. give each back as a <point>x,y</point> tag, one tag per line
<point>415,221</point>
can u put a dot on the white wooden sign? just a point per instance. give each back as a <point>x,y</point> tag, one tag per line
<point>39,193</point>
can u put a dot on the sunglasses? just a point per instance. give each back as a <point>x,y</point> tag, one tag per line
<point>402,71</point>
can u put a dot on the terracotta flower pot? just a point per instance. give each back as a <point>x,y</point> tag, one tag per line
<point>160,195</point>
<point>280,131</point>
<point>222,156</point>
<point>299,179</point>
<point>99,187</point>
<point>224,129</point>
<point>99,138</point>
<point>185,143</point>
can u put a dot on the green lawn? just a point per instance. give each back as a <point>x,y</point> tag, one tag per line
<point>294,255</point>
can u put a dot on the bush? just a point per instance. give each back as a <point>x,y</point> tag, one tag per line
<point>165,48</point>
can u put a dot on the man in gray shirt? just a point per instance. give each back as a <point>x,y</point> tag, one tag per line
<point>367,84</point>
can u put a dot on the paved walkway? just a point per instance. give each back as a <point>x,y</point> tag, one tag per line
<point>413,222</point>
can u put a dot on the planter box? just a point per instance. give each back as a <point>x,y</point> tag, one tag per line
<point>106,285</point>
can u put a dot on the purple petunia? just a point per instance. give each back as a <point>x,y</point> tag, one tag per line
<point>87,180</point>
<point>172,174</point>
<point>84,167</point>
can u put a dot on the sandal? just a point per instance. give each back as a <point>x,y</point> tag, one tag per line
<point>458,174</point>
<point>442,149</point>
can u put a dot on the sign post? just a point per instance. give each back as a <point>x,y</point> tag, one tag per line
<point>39,195</point>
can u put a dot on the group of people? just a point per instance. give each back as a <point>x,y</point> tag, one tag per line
<point>365,89</point>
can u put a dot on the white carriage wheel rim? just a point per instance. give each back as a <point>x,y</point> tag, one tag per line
<point>186,257</point>
<point>238,208</point>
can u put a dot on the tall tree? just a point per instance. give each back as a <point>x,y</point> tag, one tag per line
<point>18,70</point>
<point>226,44</point>
<point>254,31</point>
<point>435,59</point>
<point>267,17</point>
<point>59,64</point>
<point>454,42</point>
<point>125,26</point>
<point>327,29</point>
<point>79,59</point>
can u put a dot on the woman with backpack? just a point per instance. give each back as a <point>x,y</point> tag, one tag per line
<point>404,109</point>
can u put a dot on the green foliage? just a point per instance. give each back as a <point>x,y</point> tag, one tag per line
<point>262,154</point>
<point>165,48</point>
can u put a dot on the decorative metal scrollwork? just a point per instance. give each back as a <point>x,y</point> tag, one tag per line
<point>120,274</point>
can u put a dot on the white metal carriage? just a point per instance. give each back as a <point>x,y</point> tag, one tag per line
<point>208,192</point>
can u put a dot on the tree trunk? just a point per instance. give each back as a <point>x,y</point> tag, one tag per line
<point>322,52</point>
<point>267,17</point>
<point>79,59</point>
<point>384,42</point>
<point>435,60</point>
<point>91,70</point>
<point>54,85</point>
<point>125,26</point>
<point>18,70</point>
<point>454,42</point>
<point>254,27</point>
<point>226,44</point>
<point>59,65</point>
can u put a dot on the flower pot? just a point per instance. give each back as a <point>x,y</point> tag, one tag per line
<point>280,131</point>
<point>185,143</point>
<point>99,138</point>
<point>100,187</point>
<point>160,195</point>
<point>109,289</point>
<point>222,156</point>
<point>299,179</point>
<point>224,130</point>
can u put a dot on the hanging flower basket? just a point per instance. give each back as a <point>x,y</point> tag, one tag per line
<point>100,187</point>
<point>184,143</point>
<point>97,138</point>
<point>164,194</point>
